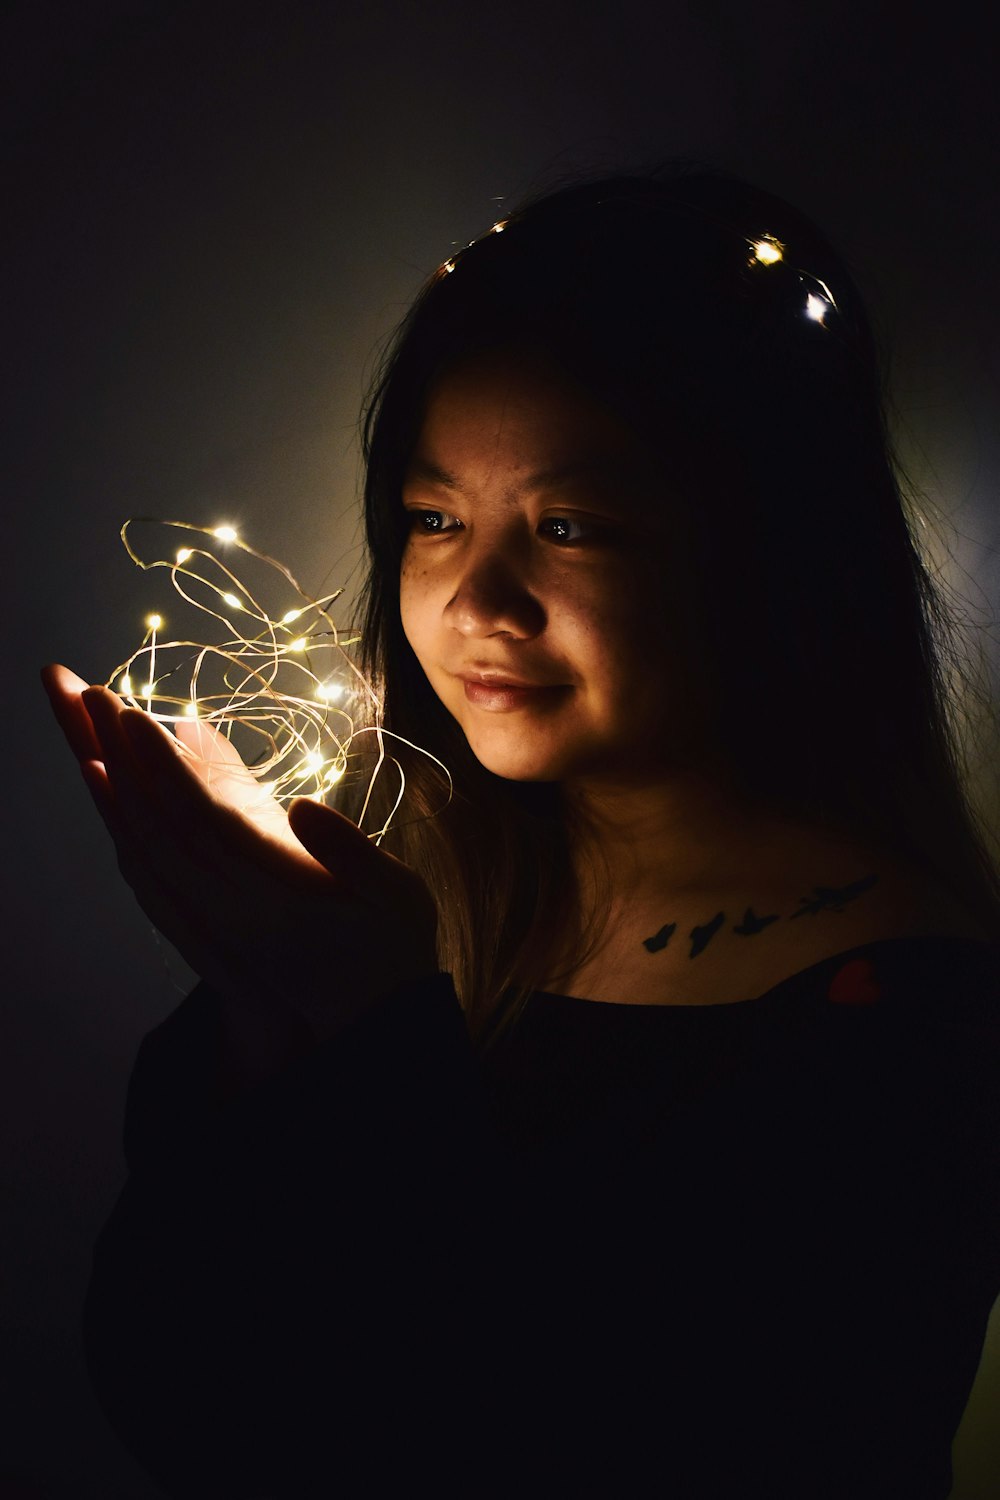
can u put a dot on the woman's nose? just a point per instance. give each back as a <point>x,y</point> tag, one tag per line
<point>492,598</point>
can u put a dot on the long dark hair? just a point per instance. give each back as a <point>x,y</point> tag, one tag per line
<point>717,322</point>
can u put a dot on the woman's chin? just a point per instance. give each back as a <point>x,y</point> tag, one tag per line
<point>517,762</point>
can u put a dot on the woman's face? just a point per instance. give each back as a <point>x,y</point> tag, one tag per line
<point>541,578</point>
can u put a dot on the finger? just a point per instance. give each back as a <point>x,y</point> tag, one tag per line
<point>341,847</point>
<point>158,797</point>
<point>132,853</point>
<point>96,777</point>
<point>64,689</point>
<point>132,784</point>
<point>104,709</point>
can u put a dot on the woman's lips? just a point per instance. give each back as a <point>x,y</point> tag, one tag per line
<point>501,697</point>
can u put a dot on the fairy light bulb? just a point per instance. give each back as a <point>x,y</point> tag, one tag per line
<point>125,686</point>
<point>225,533</point>
<point>333,775</point>
<point>767,250</point>
<point>232,601</point>
<point>448,267</point>
<point>191,710</point>
<point>184,554</point>
<point>154,621</point>
<point>329,692</point>
<point>148,689</point>
<point>290,616</point>
<point>299,645</point>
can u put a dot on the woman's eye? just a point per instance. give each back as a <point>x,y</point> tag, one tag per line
<point>563,529</point>
<point>431,522</point>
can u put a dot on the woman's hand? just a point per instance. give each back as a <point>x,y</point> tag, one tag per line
<point>298,911</point>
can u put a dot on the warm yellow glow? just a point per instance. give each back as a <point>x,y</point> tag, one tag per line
<point>499,227</point>
<point>448,266</point>
<point>284,697</point>
<point>816,307</point>
<point>768,250</point>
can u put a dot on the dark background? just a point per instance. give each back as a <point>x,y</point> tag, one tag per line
<point>213,216</point>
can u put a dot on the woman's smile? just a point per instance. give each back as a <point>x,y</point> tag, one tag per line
<point>501,697</point>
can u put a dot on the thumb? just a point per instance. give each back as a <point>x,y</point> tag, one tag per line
<point>341,847</point>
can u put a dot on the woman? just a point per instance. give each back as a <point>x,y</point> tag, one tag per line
<point>697,1192</point>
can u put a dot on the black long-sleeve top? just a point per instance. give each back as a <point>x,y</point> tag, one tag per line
<point>694,1251</point>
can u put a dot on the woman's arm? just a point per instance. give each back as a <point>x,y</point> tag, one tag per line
<point>307,1150</point>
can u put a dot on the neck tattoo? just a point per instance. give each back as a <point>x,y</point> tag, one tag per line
<point>823,898</point>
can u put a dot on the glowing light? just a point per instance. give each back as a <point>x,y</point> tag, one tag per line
<point>225,533</point>
<point>448,266</point>
<point>499,227</point>
<point>278,701</point>
<point>767,250</point>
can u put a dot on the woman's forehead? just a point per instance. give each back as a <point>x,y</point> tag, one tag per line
<point>520,413</point>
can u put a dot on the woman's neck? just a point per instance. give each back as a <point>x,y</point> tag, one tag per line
<point>687,895</point>
<point>683,835</point>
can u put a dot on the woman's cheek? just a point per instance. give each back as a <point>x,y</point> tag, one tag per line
<point>410,602</point>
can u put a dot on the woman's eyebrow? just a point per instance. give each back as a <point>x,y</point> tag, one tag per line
<point>422,470</point>
<point>604,467</point>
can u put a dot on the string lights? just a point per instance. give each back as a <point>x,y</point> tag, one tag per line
<point>766,250</point>
<point>769,251</point>
<point>283,681</point>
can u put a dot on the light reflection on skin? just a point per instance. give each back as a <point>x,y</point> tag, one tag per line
<point>531,554</point>
<point>577,583</point>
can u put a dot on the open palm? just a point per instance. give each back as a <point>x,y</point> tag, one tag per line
<point>298,910</point>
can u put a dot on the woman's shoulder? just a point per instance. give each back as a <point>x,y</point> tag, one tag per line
<point>867,895</point>
<point>800,898</point>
